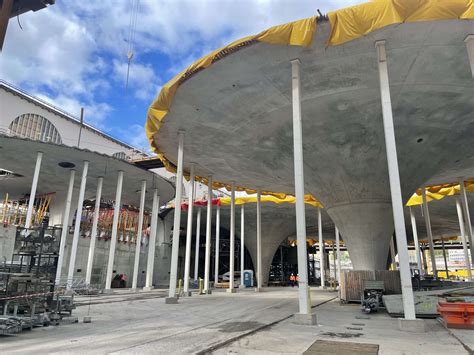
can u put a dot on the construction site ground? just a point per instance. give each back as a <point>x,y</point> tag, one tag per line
<point>244,322</point>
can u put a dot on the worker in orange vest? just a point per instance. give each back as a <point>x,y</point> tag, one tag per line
<point>292,280</point>
<point>297,279</point>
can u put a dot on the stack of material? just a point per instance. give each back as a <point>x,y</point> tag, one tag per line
<point>458,308</point>
<point>10,325</point>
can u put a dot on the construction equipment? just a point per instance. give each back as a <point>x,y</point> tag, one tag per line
<point>371,298</point>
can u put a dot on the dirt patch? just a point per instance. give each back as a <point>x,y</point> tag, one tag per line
<point>234,327</point>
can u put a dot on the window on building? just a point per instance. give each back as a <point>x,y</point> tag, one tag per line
<point>35,127</point>
<point>120,155</point>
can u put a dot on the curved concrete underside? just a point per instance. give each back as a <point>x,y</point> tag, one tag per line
<point>237,115</point>
<point>19,155</point>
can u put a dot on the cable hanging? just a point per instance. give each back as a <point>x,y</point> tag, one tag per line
<point>131,34</point>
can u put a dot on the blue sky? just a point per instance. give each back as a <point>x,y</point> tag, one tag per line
<point>74,53</point>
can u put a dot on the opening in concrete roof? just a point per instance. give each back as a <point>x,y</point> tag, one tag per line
<point>7,174</point>
<point>66,165</point>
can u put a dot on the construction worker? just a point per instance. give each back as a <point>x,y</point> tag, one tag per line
<point>292,280</point>
<point>297,279</point>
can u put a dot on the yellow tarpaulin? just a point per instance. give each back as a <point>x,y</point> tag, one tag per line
<point>308,199</point>
<point>346,25</point>
<point>439,192</point>
<point>357,21</point>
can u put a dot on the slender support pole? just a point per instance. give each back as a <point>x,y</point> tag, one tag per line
<point>322,264</point>
<point>77,226</point>
<point>34,185</point>
<point>282,276</point>
<point>259,241</point>
<point>416,242</point>
<point>95,221</point>
<point>470,51</point>
<point>334,267</point>
<point>198,245</point>
<point>445,260</point>
<point>113,239</point>
<point>65,228</point>
<point>338,255</point>
<point>218,232</point>
<point>138,239</point>
<point>426,213</point>
<point>392,254</point>
<point>423,257</point>
<point>467,215</point>
<point>304,301</point>
<point>207,260</point>
<point>232,239</point>
<point>464,241</point>
<point>177,219</point>
<point>189,232</point>
<point>394,178</point>
<point>150,262</point>
<point>242,244</point>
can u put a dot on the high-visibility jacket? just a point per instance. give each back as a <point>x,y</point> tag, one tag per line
<point>297,278</point>
<point>292,278</point>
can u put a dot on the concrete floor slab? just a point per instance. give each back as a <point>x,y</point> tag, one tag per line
<point>245,322</point>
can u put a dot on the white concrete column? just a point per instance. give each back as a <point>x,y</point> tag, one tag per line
<point>198,244</point>
<point>34,185</point>
<point>467,215</point>
<point>113,239</point>
<point>218,232</point>
<point>416,242</point>
<point>65,228</point>
<point>207,260</point>
<point>322,265</point>
<point>138,239</point>
<point>426,213</point>
<point>463,237</point>
<point>189,232</point>
<point>338,256</point>
<point>177,221</point>
<point>394,178</point>
<point>242,244</point>
<point>232,239</point>
<point>150,262</point>
<point>470,51</point>
<point>259,241</point>
<point>304,301</point>
<point>95,221</point>
<point>77,226</point>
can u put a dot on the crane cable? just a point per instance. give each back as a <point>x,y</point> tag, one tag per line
<point>131,34</point>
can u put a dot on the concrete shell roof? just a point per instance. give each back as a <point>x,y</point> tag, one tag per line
<point>237,113</point>
<point>19,156</point>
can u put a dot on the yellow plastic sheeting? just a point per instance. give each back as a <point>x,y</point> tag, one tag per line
<point>308,199</point>
<point>357,21</point>
<point>439,192</point>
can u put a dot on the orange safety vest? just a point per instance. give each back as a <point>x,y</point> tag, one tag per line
<point>297,278</point>
<point>292,278</point>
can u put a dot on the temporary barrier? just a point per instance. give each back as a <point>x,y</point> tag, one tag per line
<point>457,314</point>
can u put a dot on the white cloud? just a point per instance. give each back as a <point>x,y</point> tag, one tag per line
<point>135,136</point>
<point>75,52</point>
<point>95,114</point>
<point>142,79</point>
